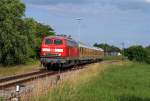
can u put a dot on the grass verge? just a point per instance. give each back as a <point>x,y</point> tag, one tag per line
<point>18,69</point>
<point>113,57</point>
<point>126,82</point>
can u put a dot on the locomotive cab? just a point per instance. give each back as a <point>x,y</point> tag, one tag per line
<point>53,47</point>
<point>59,51</point>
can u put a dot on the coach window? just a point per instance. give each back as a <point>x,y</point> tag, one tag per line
<point>58,42</point>
<point>81,50</point>
<point>48,41</point>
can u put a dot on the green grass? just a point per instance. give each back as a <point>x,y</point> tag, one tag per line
<point>129,82</point>
<point>1,99</point>
<point>12,70</point>
<point>113,58</point>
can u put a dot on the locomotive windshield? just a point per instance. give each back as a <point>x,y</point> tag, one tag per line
<point>58,42</point>
<point>48,41</point>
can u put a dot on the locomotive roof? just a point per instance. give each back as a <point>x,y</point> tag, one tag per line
<point>55,37</point>
<point>60,37</point>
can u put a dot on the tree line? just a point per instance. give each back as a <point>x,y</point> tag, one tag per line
<point>134,53</point>
<point>107,47</point>
<point>20,37</point>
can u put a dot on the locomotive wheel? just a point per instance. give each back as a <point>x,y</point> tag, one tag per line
<point>49,67</point>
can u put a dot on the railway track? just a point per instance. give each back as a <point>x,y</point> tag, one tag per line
<point>11,81</point>
<point>22,78</point>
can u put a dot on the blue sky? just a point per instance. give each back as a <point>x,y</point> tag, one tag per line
<point>103,21</point>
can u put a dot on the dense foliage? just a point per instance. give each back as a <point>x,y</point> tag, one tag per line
<point>107,47</point>
<point>18,41</point>
<point>147,49</point>
<point>138,53</point>
<point>11,39</point>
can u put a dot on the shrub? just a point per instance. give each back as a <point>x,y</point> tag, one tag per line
<point>136,53</point>
<point>147,49</point>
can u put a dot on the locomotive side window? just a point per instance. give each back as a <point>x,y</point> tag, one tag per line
<point>48,41</point>
<point>58,42</point>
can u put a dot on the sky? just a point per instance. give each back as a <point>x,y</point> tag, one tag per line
<point>101,21</point>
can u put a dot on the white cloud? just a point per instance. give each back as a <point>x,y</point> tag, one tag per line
<point>93,9</point>
<point>148,1</point>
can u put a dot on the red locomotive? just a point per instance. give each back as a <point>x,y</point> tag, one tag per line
<point>60,51</point>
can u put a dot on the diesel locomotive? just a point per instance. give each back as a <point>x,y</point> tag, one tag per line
<point>62,51</point>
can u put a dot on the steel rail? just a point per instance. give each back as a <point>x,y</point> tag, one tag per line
<point>22,78</point>
<point>19,79</point>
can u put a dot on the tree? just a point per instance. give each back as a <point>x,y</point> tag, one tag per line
<point>18,42</point>
<point>29,29</point>
<point>107,48</point>
<point>147,49</point>
<point>43,30</point>
<point>13,45</point>
<point>136,53</point>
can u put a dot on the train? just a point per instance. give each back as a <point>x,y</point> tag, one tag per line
<point>62,51</point>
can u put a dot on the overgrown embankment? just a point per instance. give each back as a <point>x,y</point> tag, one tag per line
<point>18,69</point>
<point>103,82</point>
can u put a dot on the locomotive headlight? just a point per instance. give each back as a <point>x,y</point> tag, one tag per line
<point>45,49</point>
<point>59,54</point>
<point>44,54</point>
<point>59,50</point>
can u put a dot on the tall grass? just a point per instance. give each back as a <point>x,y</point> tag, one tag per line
<point>13,70</point>
<point>1,99</point>
<point>127,82</point>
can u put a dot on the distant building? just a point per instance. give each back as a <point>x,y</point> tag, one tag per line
<point>112,53</point>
